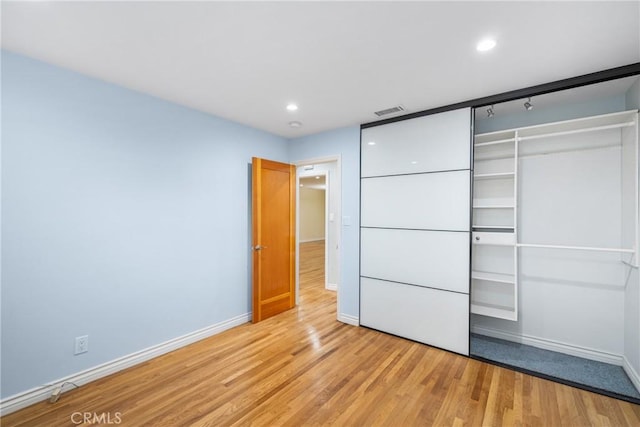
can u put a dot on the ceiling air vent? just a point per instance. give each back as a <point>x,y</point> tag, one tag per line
<point>392,110</point>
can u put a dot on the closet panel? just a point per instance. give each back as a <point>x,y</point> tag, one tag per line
<point>438,318</point>
<point>431,201</point>
<point>435,259</point>
<point>415,228</point>
<point>425,144</point>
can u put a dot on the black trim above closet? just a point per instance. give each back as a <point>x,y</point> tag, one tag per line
<point>572,82</point>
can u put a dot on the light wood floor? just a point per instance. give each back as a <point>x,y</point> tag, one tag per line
<point>305,368</point>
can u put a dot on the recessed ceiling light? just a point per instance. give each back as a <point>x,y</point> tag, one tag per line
<point>292,107</point>
<point>371,143</point>
<point>317,177</point>
<point>485,45</point>
<point>414,162</point>
<point>295,124</point>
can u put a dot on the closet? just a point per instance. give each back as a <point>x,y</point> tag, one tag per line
<point>509,232</point>
<point>555,234</point>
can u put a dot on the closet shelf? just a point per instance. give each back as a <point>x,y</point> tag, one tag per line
<point>488,158</point>
<point>501,135</point>
<point>494,277</point>
<point>499,141</point>
<point>493,207</point>
<point>499,175</point>
<point>494,311</point>
<point>492,227</point>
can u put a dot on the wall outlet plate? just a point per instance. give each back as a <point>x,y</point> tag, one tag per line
<point>82,344</point>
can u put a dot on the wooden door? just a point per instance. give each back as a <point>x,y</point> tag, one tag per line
<point>273,195</point>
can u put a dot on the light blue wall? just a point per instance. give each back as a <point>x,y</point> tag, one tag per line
<point>124,217</point>
<point>344,142</point>
<point>551,114</point>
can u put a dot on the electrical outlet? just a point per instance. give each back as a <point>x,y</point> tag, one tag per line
<point>82,344</point>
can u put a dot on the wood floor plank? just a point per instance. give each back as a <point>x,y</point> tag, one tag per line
<point>303,368</point>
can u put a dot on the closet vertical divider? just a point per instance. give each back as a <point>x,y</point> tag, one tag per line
<point>516,164</point>
<point>494,283</point>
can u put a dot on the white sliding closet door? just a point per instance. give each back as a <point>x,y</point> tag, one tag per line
<point>415,226</point>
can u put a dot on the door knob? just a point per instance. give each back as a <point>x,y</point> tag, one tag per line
<point>259,248</point>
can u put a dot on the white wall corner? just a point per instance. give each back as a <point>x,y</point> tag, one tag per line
<point>43,392</point>
<point>631,372</point>
<point>349,320</point>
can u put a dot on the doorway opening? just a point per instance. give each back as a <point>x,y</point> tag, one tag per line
<point>318,207</point>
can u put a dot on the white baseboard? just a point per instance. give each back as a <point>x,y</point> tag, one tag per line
<point>349,320</point>
<point>331,287</point>
<point>320,239</point>
<point>631,372</point>
<point>37,394</point>
<point>547,344</point>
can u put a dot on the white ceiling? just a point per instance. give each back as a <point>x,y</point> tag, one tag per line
<point>340,61</point>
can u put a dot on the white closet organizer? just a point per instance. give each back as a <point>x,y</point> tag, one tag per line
<point>494,288</point>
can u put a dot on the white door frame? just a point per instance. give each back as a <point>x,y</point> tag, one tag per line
<point>335,179</point>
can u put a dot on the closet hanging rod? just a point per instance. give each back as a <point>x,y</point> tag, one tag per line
<point>579,248</point>
<point>618,115</point>
<point>576,131</point>
<point>544,153</point>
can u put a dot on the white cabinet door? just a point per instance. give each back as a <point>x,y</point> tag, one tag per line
<point>430,316</point>
<point>430,201</point>
<point>435,259</point>
<point>431,143</point>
